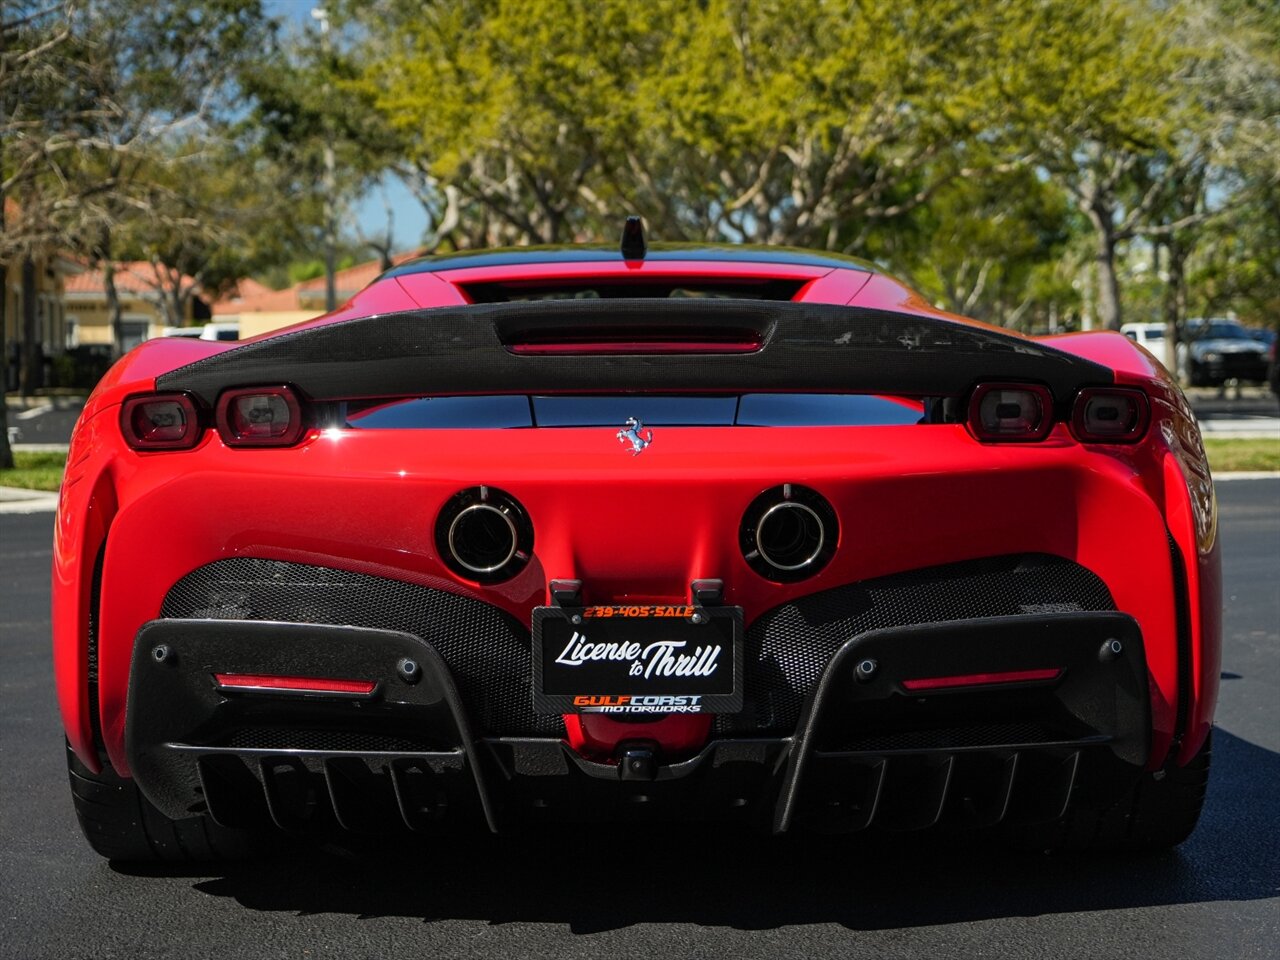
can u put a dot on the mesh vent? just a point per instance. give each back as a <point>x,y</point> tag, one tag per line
<point>788,647</point>
<point>488,652</point>
<point>284,738</point>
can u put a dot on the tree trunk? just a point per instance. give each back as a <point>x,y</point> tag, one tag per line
<point>6,453</point>
<point>330,232</point>
<point>1175,304</point>
<point>1108,282</point>
<point>31,371</point>
<point>102,253</point>
<point>114,311</point>
<point>1102,218</point>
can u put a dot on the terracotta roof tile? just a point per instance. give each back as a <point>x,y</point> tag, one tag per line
<point>348,282</point>
<point>136,276</point>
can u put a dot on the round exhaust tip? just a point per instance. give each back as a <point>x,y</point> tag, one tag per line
<point>484,534</point>
<point>788,533</point>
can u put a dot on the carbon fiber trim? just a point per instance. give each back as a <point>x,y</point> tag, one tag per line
<point>806,347</point>
<point>789,647</point>
<point>1182,614</point>
<point>487,651</point>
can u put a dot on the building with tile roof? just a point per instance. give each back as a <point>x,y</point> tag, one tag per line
<point>142,288</point>
<point>259,309</point>
<point>51,272</point>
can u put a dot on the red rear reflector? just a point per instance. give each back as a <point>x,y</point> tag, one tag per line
<point>266,684</point>
<point>162,421</point>
<point>630,339</point>
<point>982,679</point>
<point>1106,415</point>
<point>259,417</point>
<point>1010,412</point>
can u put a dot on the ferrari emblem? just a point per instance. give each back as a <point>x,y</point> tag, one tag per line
<point>635,434</point>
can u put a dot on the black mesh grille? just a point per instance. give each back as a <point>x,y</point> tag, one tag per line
<point>788,647</point>
<point>287,738</point>
<point>487,650</point>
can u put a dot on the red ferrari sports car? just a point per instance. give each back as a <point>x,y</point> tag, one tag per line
<point>735,534</point>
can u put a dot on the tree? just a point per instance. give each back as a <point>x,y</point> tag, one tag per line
<point>986,246</point>
<point>1092,92</point>
<point>38,121</point>
<point>804,123</point>
<point>314,138</point>
<point>210,215</point>
<point>99,111</point>
<point>1229,160</point>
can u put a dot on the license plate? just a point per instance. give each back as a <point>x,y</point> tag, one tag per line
<point>637,659</point>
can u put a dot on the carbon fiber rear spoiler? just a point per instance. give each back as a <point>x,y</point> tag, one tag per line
<point>773,347</point>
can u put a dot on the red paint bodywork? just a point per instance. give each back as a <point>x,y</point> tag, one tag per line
<point>907,496</point>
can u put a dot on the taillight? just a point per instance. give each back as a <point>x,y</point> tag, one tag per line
<point>161,421</point>
<point>1107,415</point>
<point>1010,412</point>
<point>259,417</point>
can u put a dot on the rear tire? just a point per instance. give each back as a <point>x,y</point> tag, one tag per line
<point>121,824</point>
<point>1158,812</point>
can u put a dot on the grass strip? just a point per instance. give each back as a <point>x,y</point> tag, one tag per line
<point>34,471</point>
<point>43,471</point>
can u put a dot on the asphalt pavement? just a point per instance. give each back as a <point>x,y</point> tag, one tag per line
<point>677,893</point>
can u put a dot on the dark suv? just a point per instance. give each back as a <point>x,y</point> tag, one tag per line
<point>1222,350</point>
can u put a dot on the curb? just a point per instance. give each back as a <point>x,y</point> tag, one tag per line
<point>18,500</point>
<point>1247,475</point>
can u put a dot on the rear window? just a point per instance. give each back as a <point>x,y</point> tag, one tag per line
<point>747,410</point>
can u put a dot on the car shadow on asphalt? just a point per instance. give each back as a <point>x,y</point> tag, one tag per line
<point>593,880</point>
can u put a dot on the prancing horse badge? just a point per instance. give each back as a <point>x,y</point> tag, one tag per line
<point>635,434</point>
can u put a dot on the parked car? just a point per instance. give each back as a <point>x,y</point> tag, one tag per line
<point>1149,335</point>
<point>1264,335</point>
<point>1219,350</point>
<point>740,534</point>
<point>1273,368</point>
<point>220,330</point>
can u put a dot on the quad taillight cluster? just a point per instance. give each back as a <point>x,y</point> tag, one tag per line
<point>273,417</point>
<point>1021,412</point>
<point>248,417</point>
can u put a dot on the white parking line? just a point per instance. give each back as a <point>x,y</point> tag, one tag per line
<point>1246,475</point>
<point>44,504</point>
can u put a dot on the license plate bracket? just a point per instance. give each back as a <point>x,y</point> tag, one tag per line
<point>637,658</point>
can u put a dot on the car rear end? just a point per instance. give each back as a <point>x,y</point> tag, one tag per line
<point>782,564</point>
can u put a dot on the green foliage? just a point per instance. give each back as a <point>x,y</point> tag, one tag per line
<point>1227,455</point>
<point>34,471</point>
<point>1038,164</point>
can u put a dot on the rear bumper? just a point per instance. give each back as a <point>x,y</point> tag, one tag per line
<point>363,505</point>
<point>867,752</point>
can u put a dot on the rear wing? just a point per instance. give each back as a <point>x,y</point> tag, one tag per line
<point>638,346</point>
